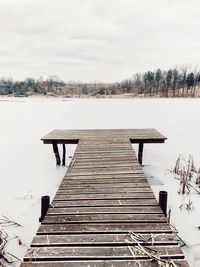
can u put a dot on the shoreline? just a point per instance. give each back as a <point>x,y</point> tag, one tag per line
<point>82,96</point>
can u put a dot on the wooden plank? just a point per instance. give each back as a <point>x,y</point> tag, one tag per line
<point>98,151</point>
<point>104,172</point>
<point>108,148</point>
<point>97,186</point>
<point>87,185</point>
<point>105,228</point>
<point>99,147</point>
<point>110,160</point>
<point>110,190</point>
<point>101,263</point>
<point>129,176</point>
<point>105,203</point>
<point>101,239</point>
<point>94,252</point>
<point>109,152</point>
<point>106,157</point>
<point>106,160</point>
<point>95,181</point>
<point>107,210</point>
<point>123,195</point>
<point>103,182</point>
<point>101,169</point>
<point>101,188</point>
<point>104,142</point>
<point>104,218</point>
<point>123,177</point>
<point>78,165</point>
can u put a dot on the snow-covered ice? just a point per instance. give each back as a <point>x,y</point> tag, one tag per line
<point>28,171</point>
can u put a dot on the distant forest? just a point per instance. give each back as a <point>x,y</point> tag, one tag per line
<point>177,82</point>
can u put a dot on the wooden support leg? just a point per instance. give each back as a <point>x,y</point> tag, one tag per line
<point>140,152</point>
<point>64,155</point>
<point>56,152</point>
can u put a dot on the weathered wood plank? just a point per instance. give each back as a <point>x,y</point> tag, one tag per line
<point>106,157</point>
<point>95,180</point>
<point>91,161</point>
<point>106,152</point>
<point>87,185</point>
<point>78,165</point>
<point>104,172</point>
<point>131,177</point>
<point>135,174</point>
<point>98,182</point>
<point>105,203</point>
<point>110,190</point>
<point>99,196</point>
<point>104,263</point>
<point>110,165</point>
<point>113,149</point>
<point>107,210</point>
<point>105,228</point>
<point>102,183</point>
<point>107,148</point>
<point>94,252</point>
<point>101,239</point>
<point>104,218</point>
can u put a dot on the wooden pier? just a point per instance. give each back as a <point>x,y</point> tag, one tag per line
<point>104,213</point>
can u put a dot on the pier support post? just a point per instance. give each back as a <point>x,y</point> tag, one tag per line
<point>140,152</point>
<point>64,155</point>
<point>56,152</point>
<point>45,201</point>
<point>163,201</point>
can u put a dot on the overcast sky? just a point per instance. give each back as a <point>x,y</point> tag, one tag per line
<point>89,40</point>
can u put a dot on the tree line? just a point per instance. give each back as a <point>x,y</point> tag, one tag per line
<point>177,82</point>
<point>164,83</point>
<point>30,86</point>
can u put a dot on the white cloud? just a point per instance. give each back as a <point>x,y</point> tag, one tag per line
<point>96,39</point>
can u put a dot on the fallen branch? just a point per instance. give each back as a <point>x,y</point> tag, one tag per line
<point>5,221</point>
<point>153,254</point>
<point>6,257</point>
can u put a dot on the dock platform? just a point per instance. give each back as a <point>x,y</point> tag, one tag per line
<point>104,213</point>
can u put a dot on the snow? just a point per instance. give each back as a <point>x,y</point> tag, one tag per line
<point>28,171</point>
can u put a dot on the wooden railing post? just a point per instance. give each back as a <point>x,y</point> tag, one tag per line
<point>45,201</point>
<point>163,201</point>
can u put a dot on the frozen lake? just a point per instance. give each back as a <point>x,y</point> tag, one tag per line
<point>28,171</point>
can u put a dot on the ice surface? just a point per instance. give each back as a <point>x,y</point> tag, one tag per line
<point>28,171</point>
